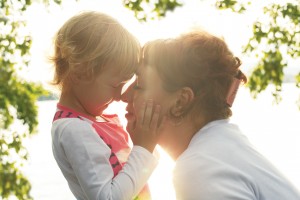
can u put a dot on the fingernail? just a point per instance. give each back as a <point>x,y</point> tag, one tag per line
<point>150,100</point>
<point>157,108</point>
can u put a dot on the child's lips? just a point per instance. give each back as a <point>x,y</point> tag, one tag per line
<point>129,116</point>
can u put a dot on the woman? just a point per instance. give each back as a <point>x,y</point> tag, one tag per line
<point>195,78</point>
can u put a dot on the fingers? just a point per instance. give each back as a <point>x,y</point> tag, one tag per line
<point>141,114</point>
<point>148,112</point>
<point>155,117</point>
<point>149,116</point>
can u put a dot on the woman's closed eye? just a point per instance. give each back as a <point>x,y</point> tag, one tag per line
<point>136,87</point>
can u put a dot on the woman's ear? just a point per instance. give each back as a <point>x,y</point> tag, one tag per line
<point>184,97</point>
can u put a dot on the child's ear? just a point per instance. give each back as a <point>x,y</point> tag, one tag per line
<point>184,98</point>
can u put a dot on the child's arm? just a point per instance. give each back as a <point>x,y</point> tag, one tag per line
<point>84,160</point>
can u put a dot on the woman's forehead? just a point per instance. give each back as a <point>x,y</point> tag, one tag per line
<point>139,70</point>
<point>148,75</point>
<point>143,72</point>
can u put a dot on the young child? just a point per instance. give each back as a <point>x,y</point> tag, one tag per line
<point>94,57</point>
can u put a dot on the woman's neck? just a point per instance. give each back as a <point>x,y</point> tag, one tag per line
<point>177,138</point>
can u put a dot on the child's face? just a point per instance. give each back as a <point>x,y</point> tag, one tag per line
<point>95,96</point>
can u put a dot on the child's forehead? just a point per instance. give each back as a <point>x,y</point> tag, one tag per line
<point>117,71</point>
<point>118,76</point>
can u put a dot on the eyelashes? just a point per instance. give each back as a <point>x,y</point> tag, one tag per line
<point>136,87</point>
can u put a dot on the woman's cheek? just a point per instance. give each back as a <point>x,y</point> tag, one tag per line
<point>137,104</point>
<point>143,97</point>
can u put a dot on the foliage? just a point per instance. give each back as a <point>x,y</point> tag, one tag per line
<point>148,10</point>
<point>18,110</point>
<point>275,39</point>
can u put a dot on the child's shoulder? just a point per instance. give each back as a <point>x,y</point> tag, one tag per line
<point>114,118</point>
<point>63,112</point>
<point>71,123</point>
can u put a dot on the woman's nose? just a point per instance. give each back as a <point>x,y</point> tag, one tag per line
<point>128,94</point>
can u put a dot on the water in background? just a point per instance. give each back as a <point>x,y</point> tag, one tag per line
<point>274,130</point>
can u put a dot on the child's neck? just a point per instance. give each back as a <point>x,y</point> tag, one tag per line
<point>71,103</point>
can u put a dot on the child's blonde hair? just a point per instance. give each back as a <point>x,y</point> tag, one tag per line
<point>88,42</point>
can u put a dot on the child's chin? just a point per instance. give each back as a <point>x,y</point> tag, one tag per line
<point>130,117</point>
<point>130,126</point>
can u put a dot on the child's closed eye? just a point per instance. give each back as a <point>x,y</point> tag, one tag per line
<point>113,86</point>
<point>117,85</point>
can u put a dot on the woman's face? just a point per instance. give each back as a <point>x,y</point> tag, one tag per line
<point>147,85</point>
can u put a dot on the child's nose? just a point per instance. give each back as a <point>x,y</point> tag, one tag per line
<point>128,94</point>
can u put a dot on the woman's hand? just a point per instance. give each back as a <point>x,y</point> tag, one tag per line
<point>145,131</point>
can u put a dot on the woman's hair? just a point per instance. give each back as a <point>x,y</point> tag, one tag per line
<point>90,41</point>
<point>200,61</point>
